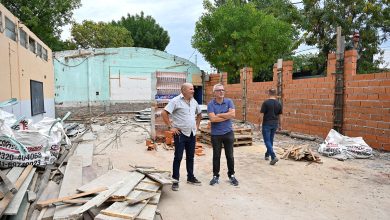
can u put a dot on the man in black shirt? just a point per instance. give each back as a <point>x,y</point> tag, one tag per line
<point>271,108</point>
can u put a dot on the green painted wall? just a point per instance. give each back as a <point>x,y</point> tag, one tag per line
<point>84,76</point>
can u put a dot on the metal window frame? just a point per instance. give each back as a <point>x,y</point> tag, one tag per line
<point>33,113</point>
<point>26,43</point>
<point>15,35</point>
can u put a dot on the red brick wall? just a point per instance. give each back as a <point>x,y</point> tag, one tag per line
<point>308,103</point>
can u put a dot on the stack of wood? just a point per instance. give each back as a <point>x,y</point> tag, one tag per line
<point>80,185</point>
<point>242,136</point>
<point>302,152</point>
<point>117,193</point>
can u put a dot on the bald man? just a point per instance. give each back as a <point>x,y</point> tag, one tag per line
<point>186,115</point>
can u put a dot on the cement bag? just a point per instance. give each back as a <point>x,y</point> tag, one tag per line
<point>39,145</point>
<point>7,118</point>
<point>54,130</point>
<point>343,147</point>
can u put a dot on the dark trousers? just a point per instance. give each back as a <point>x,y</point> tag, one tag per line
<point>182,143</point>
<point>227,140</point>
<point>268,136</point>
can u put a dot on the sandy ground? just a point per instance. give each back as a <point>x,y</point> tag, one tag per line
<point>353,189</point>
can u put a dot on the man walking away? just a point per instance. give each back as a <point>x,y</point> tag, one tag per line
<point>271,109</point>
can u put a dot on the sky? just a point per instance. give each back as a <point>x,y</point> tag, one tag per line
<point>178,17</point>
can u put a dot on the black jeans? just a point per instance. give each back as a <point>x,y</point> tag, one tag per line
<point>227,140</point>
<point>182,143</point>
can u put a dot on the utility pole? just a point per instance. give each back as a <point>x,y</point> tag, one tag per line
<point>338,108</point>
<point>279,67</point>
<point>244,94</point>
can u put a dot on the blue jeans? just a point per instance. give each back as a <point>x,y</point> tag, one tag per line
<point>268,132</point>
<point>182,143</point>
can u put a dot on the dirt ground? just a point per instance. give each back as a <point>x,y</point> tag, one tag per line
<point>353,189</point>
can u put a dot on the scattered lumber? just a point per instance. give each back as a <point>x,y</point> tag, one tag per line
<point>81,185</point>
<point>48,202</point>
<point>301,153</point>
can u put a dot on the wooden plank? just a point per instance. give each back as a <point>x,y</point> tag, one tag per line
<point>12,175</point>
<point>86,151</point>
<point>147,213</point>
<point>14,205</point>
<point>142,196</point>
<point>106,217</point>
<point>123,210</point>
<point>163,179</point>
<point>155,199</point>
<point>51,191</point>
<point>34,215</point>
<point>22,211</point>
<point>9,196</point>
<point>106,180</point>
<point>131,180</point>
<point>73,178</point>
<point>147,187</point>
<point>52,201</point>
<point>42,185</point>
<point>97,201</point>
<point>89,174</point>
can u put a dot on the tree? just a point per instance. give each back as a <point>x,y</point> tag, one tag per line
<point>100,35</point>
<point>280,9</point>
<point>145,31</point>
<point>233,36</point>
<point>370,18</point>
<point>44,18</point>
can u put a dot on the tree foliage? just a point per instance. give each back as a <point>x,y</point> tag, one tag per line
<point>370,18</point>
<point>235,35</point>
<point>100,35</point>
<point>44,18</point>
<point>145,31</point>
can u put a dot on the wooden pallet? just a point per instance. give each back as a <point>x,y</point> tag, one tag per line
<point>242,136</point>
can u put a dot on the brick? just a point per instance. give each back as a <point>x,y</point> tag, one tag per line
<point>383,139</point>
<point>380,75</point>
<point>373,97</point>
<point>384,96</point>
<point>385,83</point>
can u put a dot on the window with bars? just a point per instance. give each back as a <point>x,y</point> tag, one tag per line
<point>44,53</point>
<point>1,22</point>
<point>23,38</point>
<point>32,46</point>
<point>39,50</point>
<point>10,29</point>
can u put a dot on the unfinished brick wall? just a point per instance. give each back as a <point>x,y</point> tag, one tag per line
<point>308,103</point>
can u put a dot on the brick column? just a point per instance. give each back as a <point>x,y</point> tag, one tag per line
<point>350,62</point>
<point>331,66</point>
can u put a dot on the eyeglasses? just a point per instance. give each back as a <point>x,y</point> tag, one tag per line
<point>219,90</point>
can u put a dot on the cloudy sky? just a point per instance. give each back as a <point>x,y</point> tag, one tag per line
<point>178,17</point>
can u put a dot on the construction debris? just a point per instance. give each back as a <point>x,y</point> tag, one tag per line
<point>343,147</point>
<point>143,115</point>
<point>301,153</point>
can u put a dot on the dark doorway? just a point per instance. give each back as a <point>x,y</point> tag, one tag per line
<point>198,94</point>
